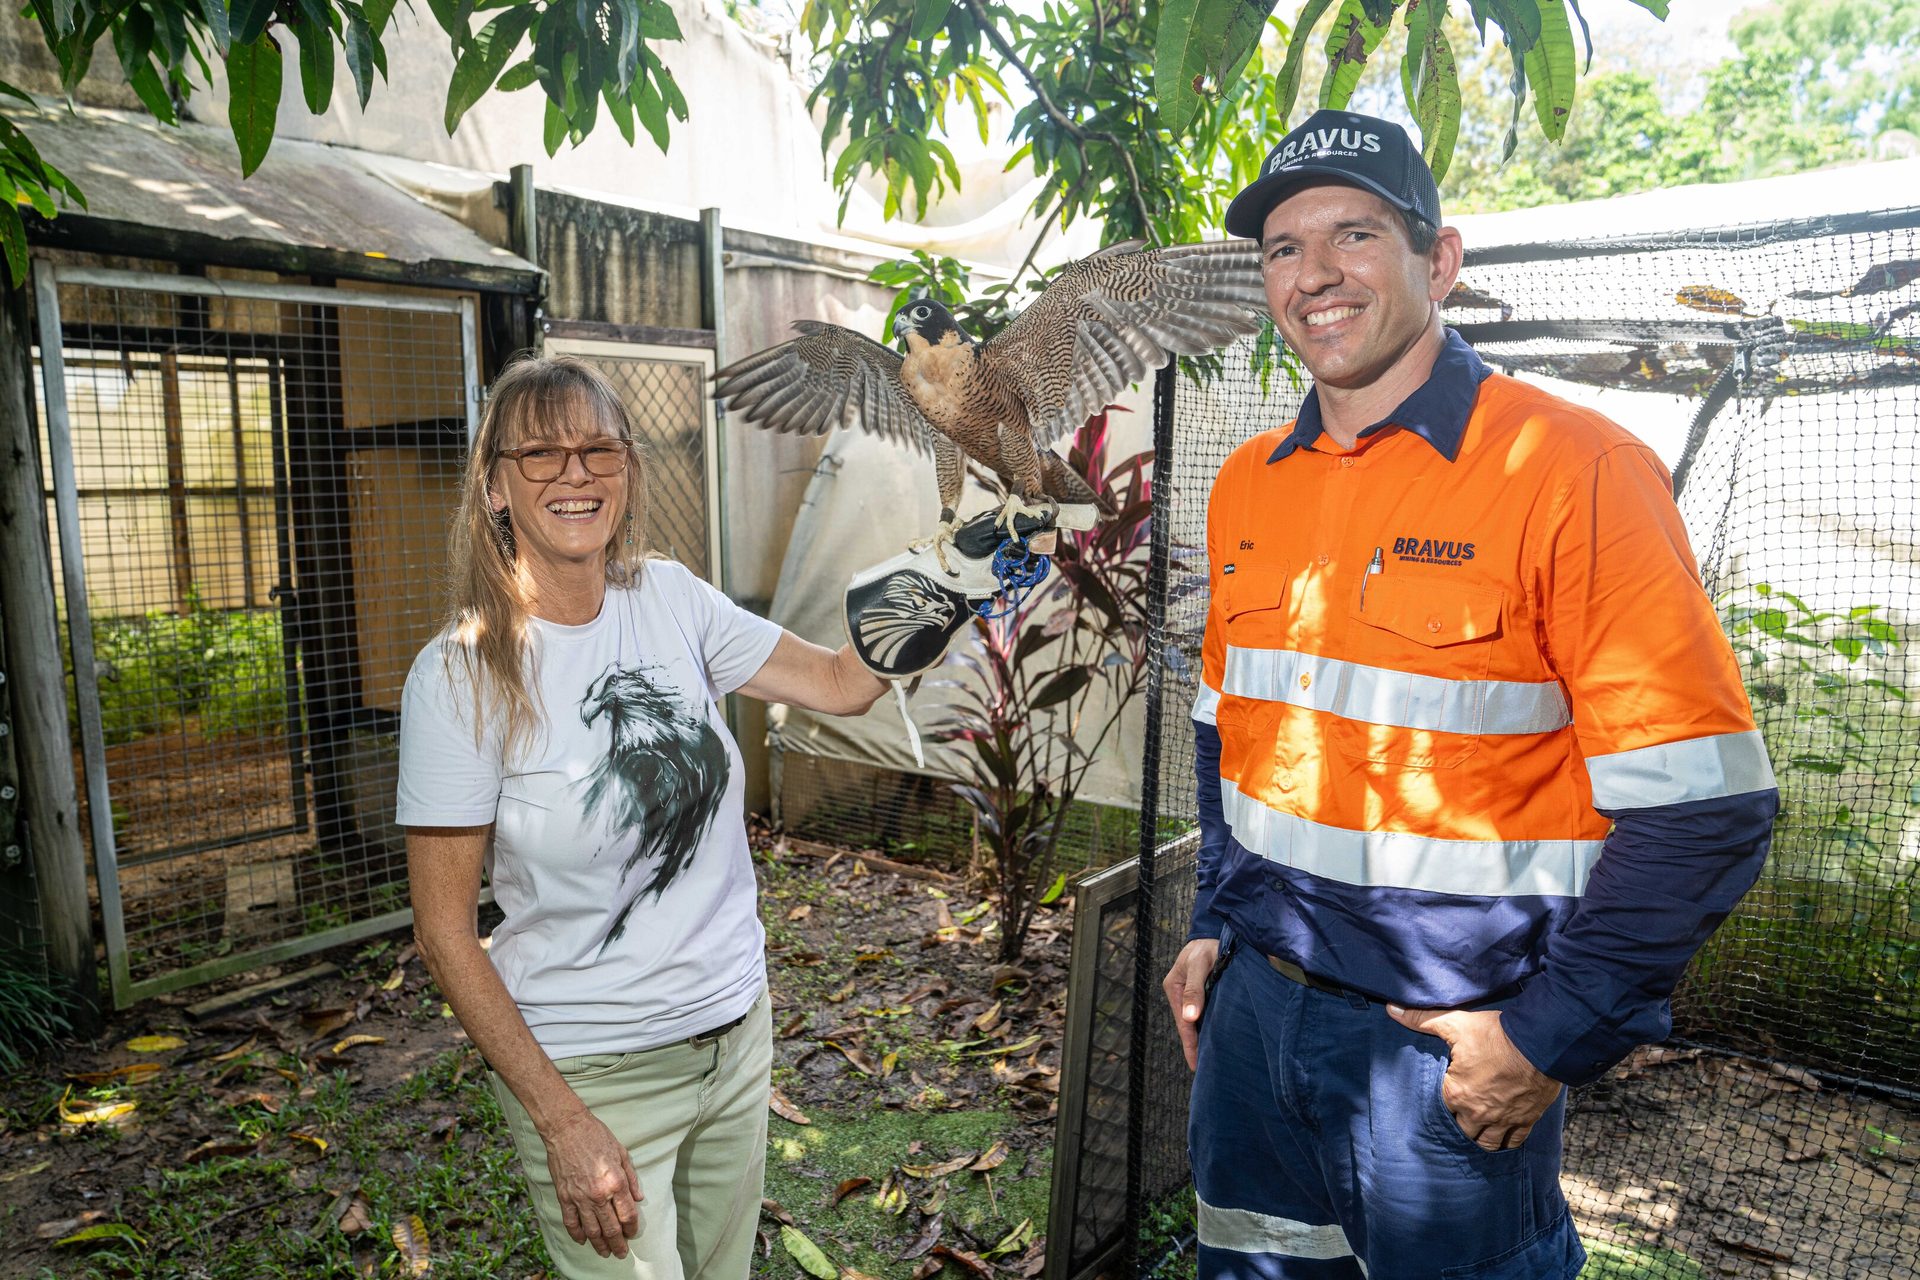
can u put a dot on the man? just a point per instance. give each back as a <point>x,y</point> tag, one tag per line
<point>1477,771</point>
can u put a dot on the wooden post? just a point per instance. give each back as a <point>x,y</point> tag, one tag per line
<point>38,684</point>
<point>177,484</point>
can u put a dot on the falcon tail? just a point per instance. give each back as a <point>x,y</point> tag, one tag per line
<point>1066,486</point>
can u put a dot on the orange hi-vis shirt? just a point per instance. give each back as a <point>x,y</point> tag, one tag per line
<point>1479,734</point>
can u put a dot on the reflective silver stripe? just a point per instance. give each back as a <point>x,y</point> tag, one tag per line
<point>1723,764</point>
<point>1400,698</point>
<point>1206,704</point>
<point>1244,1231</point>
<point>1399,860</point>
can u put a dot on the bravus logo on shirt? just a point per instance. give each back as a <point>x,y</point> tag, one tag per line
<point>1432,550</point>
<point>664,774</point>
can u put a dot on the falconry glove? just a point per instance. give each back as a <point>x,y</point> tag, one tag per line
<point>902,613</point>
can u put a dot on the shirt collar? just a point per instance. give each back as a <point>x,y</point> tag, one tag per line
<point>1437,412</point>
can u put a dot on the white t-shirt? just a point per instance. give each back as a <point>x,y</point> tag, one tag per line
<point>620,847</point>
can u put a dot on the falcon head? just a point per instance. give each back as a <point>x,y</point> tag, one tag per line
<point>931,321</point>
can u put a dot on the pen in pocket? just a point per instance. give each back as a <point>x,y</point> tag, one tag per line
<point>1375,565</point>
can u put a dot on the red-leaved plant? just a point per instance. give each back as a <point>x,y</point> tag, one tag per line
<point>1054,677</point>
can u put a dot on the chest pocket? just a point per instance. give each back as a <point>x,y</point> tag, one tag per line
<point>1427,646</point>
<point>1253,599</point>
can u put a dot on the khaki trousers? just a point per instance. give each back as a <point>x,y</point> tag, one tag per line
<point>694,1120</point>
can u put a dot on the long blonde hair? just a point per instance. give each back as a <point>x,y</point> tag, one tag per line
<point>534,398</point>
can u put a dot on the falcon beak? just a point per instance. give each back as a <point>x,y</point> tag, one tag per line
<point>902,325</point>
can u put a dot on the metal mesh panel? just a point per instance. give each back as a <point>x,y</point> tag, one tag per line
<point>667,400</point>
<point>1777,1130</point>
<point>255,508</point>
<point>917,815</point>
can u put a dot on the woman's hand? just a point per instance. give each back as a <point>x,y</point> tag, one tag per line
<point>593,1176</point>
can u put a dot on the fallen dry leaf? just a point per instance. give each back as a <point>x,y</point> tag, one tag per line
<point>214,1149</point>
<point>394,979</point>
<point>773,1210</point>
<point>357,1217</point>
<point>782,1106</point>
<point>836,997</point>
<point>928,1237</point>
<point>154,1044</point>
<point>970,1262</point>
<point>848,1187</point>
<point>410,1238</point>
<point>64,1226</point>
<point>992,1158</point>
<point>800,912</point>
<point>353,1042</point>
<point>794,1027</point>
<point>930,1267</point>
<point>93,1112</point>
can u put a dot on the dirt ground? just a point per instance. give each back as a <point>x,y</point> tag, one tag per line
<point>925,1073</point>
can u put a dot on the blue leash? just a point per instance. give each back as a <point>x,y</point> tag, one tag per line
<point>1018,570</point>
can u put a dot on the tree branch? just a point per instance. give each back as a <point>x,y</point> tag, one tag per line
<point>1061,118</point>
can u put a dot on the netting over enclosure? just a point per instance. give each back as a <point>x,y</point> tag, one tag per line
<point>1777,368</point>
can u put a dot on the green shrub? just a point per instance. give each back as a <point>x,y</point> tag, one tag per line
<point>30,1007</point>
<point>160,672</point>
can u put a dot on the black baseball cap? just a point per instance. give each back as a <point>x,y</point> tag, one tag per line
<point>1362,150</point>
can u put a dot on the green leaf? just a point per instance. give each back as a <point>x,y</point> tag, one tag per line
<point>1658,8</point>
<point>483,59</point>
<point>316,64</point>
<point>1350,42</point>
<point>1431,80</point>
<point>1202,42</point>
<point>1817,764</point>
<point>13,236</point>
<point>1550,68</point>
<point>361,45</point>
<point>253,98</point>
<point>101,1231</point>
<point>555,130</point>
<point>1061,686</point>
<point>807,1254</point>
<point>379,13</point>
<point>657,21</point>
<point>620,107</point>
<point>1286,87</point>
<point>447,14</point>
<point>248,20</point>
<point>1058,887</point>
<point>929,18</point>
<point>652,112</point>
<point>214,14</point>
<point>520,75</point>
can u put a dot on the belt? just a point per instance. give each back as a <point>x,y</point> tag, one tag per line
<point>1294,973</point>
<point>706,1038</point>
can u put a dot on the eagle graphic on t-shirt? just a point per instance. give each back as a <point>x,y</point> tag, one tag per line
<point>664,775</point>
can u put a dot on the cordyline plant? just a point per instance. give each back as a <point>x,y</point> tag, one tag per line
<point>1053,679</point>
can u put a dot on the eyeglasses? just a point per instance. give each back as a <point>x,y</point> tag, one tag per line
<point>540,463</point>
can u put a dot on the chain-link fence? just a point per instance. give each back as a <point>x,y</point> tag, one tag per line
<point>1778,1132</point>
<point>248,487</point>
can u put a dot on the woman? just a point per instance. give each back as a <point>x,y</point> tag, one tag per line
<point>563,733</point>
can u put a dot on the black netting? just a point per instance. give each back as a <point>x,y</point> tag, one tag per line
<point>1777,1133</point>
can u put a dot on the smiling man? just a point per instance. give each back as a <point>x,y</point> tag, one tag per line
<point>1477,772</point>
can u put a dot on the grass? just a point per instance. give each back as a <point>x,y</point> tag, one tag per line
<point>268,1215</point>
<point>1607,1260</point>
<point>30,1006</point>
<point>806,1164</point>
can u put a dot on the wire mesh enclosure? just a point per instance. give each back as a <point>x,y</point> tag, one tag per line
<point>665,391</point>
<point>248,486</point>
<point>1778,1132</point>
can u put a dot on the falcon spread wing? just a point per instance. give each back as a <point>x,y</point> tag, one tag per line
<point>1109,319</point>
<point>828,377</point>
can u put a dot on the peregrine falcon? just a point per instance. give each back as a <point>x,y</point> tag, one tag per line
<point>1103,322</point>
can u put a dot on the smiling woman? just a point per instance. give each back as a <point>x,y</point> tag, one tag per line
<point>563,734</point>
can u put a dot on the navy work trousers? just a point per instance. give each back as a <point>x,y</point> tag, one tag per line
<point>1322,1150</point>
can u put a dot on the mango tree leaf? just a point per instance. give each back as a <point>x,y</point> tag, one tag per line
<point>807,1254</point>
<point>929,18</point>
<point>1431,80</point>
<point>316,64</point>
<point>1550,70</point>
<point>554,131</point>
<point>253,98</point>
<point>1202,43</point>
<point>247,21</point>
<point>360,45</point>
<point>483,59</point>
<point>1658,8</point>
<point>1350,42</point>
<point>154,1044</point>
<point>1287,88</point>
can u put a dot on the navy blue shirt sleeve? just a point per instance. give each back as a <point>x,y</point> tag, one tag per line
<point>1213,830</point>
<point>1666,878</point>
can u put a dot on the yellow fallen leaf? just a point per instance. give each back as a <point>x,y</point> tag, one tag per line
<point>410,1238</point>
<point>154,1044</point>
<point>341,1046</point>
<point>244,1047</point>
<point>92,1112</point>
<point>394,979</point>
<point>315,1139</point>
